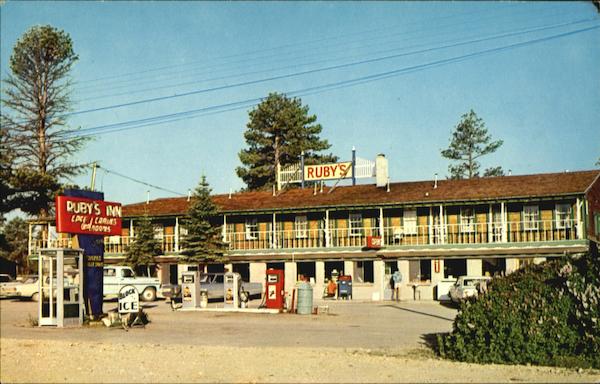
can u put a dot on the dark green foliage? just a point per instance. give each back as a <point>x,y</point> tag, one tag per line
<point>13,242</point>
<point>144,247</point>
<point>203,240</point>
<point>35,100</point>
<point>279,129</point>
<point>544,314</point>
<point>470,140</point>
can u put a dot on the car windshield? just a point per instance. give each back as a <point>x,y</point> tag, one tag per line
<point>30,280</point>
<point>127,273</point>
<point>5,278</point>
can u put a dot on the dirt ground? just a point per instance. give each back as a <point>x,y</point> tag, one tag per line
<point>357,342</point>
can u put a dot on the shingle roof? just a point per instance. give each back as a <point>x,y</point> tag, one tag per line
<point>503,187</point>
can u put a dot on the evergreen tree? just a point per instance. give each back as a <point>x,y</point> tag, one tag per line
<point>279,129</point>
<point>470,141</point>
<point>35,100</point>
<point>144,248</point>
<point>13,242</point>
<point>203,240</point>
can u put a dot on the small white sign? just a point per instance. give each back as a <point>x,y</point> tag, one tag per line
<point>129,299</point>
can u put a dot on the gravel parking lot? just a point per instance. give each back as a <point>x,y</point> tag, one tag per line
<point>356,342</point>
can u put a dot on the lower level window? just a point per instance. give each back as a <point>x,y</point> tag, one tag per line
<point>363,271</point>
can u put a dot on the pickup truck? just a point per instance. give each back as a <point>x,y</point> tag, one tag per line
<point>116,276</point>
<point>213,283</point>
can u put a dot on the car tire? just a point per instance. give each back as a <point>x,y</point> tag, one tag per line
<point>35,297</point>
<point>149,294</point>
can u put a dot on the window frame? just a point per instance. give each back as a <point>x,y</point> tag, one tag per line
<point>467,222</point>
<point>562,223</point>
<point>534,213</point>
<point>301,227</point>
<point>412,220</point>
<point>353,219</point>
<point>251,229</point>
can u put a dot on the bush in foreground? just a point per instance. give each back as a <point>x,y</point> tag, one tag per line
<point>547,314</point>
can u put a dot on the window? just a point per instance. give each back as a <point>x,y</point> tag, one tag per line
<point>159,231</point>
<point>363,271</point>
<point>356,224</point>
<point>251,229</point>
<point>410,222</point>
<point>109,272</point>
<point>301,227</point>
<point>467,220</point>
<point>531,216</point>
<point>126,273</point>
<point>563,215</point>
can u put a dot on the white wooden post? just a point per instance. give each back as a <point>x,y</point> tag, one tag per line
<point>224,229</point>
<point>327,237</point>
<point>274,231</point>
<point>430,225</point>
<point>503,214</point>
<point>490,225</point>
<point>176,234</point>
<point>578,206</point>
<point>381,228</point>
<point>442,226</point>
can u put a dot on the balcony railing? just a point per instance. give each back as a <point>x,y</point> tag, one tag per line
<point>464,233</point>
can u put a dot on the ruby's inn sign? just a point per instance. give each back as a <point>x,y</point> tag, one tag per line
<point>87,216</point>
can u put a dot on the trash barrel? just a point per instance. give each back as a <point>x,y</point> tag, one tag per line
<point>305,298</point>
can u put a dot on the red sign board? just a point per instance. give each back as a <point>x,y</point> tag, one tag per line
<point>87,216</point>
<point>374,242</point>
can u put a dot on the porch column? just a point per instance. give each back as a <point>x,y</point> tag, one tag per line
<point>512,264</point>
<point>406,292</point>
<point>504,223</point>
<point>258,273</point>
<point>538,260</point>
<point>439,275</point>
<point>578,207</point>
<point>430,225</point>
<point>379,280</point>
<point>474,267</point>
<point>131,234</point>
<point>349,268</point>
<point>274,231</point>
<point>176,234</point>
<point>291,275</point>
<point>319,280</point>
<point>490,235</point>
<point>224,229</point>
<point>327,236</point>
<point>381,228</point>
<point>442,226</point>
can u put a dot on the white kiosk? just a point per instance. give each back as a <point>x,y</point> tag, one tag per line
<point>60,287</point>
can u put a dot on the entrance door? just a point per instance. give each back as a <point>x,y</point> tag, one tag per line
<point>47,294</point>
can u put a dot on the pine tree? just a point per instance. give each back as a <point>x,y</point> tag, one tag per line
<point>35,102</point>
<point>203,241</point>
<point>279,129</point>
<point>470,141</point>
<point>144,248</point>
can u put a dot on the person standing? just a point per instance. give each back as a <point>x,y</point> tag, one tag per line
<point>396,282</point>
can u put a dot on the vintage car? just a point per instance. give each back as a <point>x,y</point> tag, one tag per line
<point>213,283</point>
<point>467,286</point>
<point>7,286</point>
<point>28,289</point>
<point>116,276</point>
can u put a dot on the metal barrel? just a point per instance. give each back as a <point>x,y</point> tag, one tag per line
<point>305,298</point>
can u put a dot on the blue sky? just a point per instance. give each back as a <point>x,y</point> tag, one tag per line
<point>400,76</point>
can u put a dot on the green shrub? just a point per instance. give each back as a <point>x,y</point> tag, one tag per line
<point>545,314</point>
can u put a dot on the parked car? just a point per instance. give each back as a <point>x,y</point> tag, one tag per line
<point>28,289</point>
<point>116,276</point>
<point>466,287</point>
<point>7,286</point>
<point>213,283</point>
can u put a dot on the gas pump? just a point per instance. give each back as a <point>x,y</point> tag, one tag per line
<point>60,287</point>
<point>190,289</point>
<point>231,289</point>
<point>274,295</point>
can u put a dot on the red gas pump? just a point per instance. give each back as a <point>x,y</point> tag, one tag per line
<point>274,289</point>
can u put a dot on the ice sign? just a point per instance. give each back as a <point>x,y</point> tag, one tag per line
<point>129,299</point>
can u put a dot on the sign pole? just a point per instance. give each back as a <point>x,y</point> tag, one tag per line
<point>302,167</point>
<point>353,165</point>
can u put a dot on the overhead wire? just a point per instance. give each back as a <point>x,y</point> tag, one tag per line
<point>327,68</point>
<point>139,181</point>
<point>161,119</point>
<point>299,62</point>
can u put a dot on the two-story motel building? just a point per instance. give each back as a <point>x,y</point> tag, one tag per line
<point>429,230</point>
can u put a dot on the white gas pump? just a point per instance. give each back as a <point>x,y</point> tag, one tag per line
<point>190,289</point>
<point>231,288</point>
<point>60,286</point>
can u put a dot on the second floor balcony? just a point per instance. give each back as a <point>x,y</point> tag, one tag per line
<point>493,233</point>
